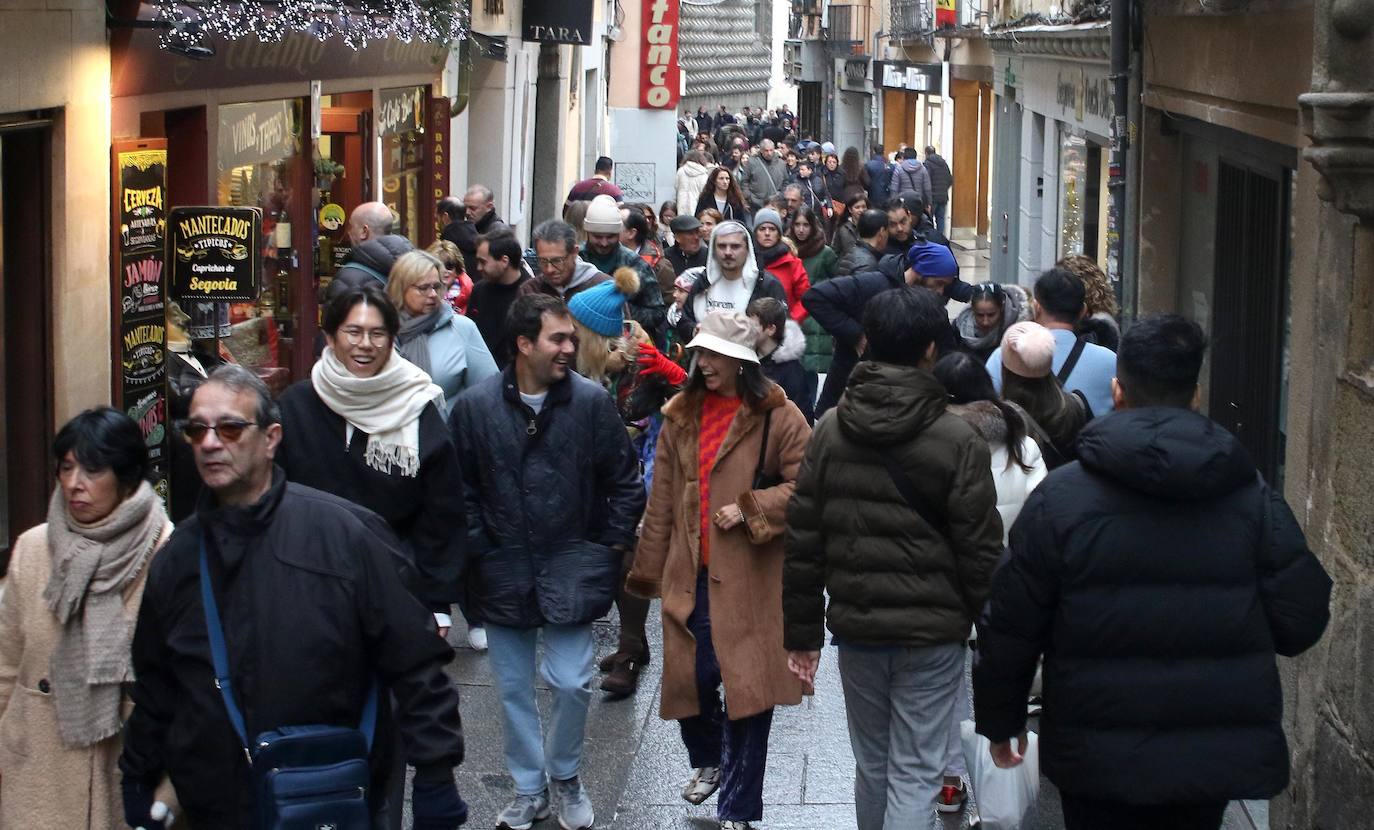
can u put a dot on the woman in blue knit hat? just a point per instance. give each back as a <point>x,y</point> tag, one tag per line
<point>615,351</point>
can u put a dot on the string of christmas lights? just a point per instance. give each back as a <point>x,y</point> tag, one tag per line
<point>438,21</point>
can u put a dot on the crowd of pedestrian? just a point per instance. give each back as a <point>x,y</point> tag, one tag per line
<point>740,403</point>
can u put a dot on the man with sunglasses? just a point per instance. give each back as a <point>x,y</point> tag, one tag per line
<point>313,612</point>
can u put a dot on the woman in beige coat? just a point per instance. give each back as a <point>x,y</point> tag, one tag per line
<point>66,621</point>
<point>711,547</point>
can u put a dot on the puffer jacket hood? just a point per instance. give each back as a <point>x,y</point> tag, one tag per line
<point>793,344</point>
<point>369,264</point>
<point>911,165</point>
<point>886,403</point>
<point>1166,453</point>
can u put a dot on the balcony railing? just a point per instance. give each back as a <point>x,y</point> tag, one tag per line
<point>912,19</point>
<point>850,24</point>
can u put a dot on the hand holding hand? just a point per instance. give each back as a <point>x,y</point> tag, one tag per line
<point>728,516</point>
<point>1004,756</point>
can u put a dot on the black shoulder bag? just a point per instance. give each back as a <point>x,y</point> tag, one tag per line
<point>762,480</point>
<point>303,777</point>
<point>935,518</point>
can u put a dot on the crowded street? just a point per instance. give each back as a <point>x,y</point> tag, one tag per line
<point>686,415</point>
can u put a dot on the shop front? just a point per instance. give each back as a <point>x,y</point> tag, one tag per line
<point>1051,200</point>
<point>301,131</point>
<point>911,104</point>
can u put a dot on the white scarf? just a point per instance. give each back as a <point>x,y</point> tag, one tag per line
<point>386,406</point>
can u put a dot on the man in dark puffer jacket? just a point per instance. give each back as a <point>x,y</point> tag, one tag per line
<point>1158,575</point>
<point>905,553</point>
<point>554,496</point>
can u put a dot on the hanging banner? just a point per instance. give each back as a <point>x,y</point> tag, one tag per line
<point>946,14</point>
<point>439,121</point>
<point>138,294</point>
<point>215,254</point>
<point>660,77</point>
<point>255,134</point>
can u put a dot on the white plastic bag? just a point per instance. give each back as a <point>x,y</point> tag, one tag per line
<point>1003,796</point>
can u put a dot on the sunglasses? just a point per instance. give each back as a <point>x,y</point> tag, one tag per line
<point>228,431</point>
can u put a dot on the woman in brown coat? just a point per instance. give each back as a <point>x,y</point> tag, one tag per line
<point>66,621</point>
<point>711,547</point>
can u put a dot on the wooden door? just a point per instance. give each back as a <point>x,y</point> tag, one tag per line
<point>898,119</point>
<point>963,156</point>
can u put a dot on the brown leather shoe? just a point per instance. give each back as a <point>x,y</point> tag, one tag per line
<point>623,679</point>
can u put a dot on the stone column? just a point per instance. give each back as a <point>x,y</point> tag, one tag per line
<point>1329,692</point>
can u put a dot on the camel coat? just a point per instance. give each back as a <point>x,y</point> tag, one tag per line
<point>746,561</point>
<point>43,782</point>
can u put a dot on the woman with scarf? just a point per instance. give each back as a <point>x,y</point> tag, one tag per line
<point>444,344</point>
<point>776,256</point>
<point>368,426</point>
<point>722,193</point>
<point>846,234</point>
<point>66,624</point>
<point>992,310</point>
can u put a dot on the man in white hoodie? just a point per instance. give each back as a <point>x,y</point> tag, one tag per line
<point>729,281</point>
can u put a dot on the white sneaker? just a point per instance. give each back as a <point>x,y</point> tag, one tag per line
<point>571,804</point>
<point>477,638</point>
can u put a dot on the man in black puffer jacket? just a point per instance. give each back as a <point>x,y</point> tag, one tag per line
<point>1158,576</point>
<point>554,496</point>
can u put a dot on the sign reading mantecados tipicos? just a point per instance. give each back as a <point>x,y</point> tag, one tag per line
<point>215,253</point>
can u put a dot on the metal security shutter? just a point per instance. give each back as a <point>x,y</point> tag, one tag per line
<point>1248,317</point>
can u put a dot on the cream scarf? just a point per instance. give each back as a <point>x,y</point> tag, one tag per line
<point>92,565</point>
<point>386,406</point>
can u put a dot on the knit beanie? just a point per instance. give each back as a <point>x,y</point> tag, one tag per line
<point>603,216</point>
<point>1028,350</point>
<point>768,216</point>
<point>601,308</point>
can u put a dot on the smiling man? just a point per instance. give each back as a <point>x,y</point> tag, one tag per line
<point>554,496</point>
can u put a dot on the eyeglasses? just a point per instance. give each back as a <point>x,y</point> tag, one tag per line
<point>552,262</point>
<point>228,431</point>
<point>427,287</point>
<point>356,336</point>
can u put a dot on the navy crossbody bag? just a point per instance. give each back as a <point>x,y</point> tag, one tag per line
<point>303,777</point>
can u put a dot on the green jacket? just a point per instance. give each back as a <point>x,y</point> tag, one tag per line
<point>820,347</point>
<point>891,577</point>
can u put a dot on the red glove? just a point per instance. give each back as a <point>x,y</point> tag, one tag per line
<point>652,362</point>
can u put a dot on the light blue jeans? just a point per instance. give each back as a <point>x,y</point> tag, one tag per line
<point>567,669</point>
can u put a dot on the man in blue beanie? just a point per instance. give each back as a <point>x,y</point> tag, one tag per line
<point>838,306</point>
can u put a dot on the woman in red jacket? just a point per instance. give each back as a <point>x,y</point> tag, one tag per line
<point>776,256</point>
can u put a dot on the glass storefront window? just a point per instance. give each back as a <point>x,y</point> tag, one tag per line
<point>1073,210</point>
<point>258,148</point>
<point>401,117</point>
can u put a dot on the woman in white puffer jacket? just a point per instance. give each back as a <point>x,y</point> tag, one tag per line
<point>691,178</point>
<point>1017,468</point>
<point>1017,465</point>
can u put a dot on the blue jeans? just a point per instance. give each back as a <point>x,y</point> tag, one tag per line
<point>567,668</point>
<point>738,747</point>
<point>941,225</point>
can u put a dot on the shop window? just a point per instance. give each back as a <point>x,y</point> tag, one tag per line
<point>259,146</point>
<point>401,117</point>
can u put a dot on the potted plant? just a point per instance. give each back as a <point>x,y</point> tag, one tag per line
<point>326,170</point>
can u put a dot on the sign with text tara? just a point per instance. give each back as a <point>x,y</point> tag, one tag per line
<point>215,253</point>
<point>558,21</point>
<point>660,79</point>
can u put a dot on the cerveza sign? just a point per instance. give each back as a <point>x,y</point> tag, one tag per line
<point>215,253</point>
<point>558,21</point>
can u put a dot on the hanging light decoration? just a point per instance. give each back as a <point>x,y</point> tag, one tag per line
<point>189,21</point>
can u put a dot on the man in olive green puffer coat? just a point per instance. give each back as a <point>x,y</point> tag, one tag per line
<point>895,515</point>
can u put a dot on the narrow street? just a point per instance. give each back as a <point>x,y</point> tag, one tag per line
<point>635,764</point>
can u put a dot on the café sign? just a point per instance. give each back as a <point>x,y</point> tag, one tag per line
<point>215,253</point>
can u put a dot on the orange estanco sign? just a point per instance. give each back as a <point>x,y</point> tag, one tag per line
<point>660,79</point>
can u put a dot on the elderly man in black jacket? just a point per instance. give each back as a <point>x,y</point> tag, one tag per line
<point>313,612</point>
<point>554,496</point>
<point>1158,576</point>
